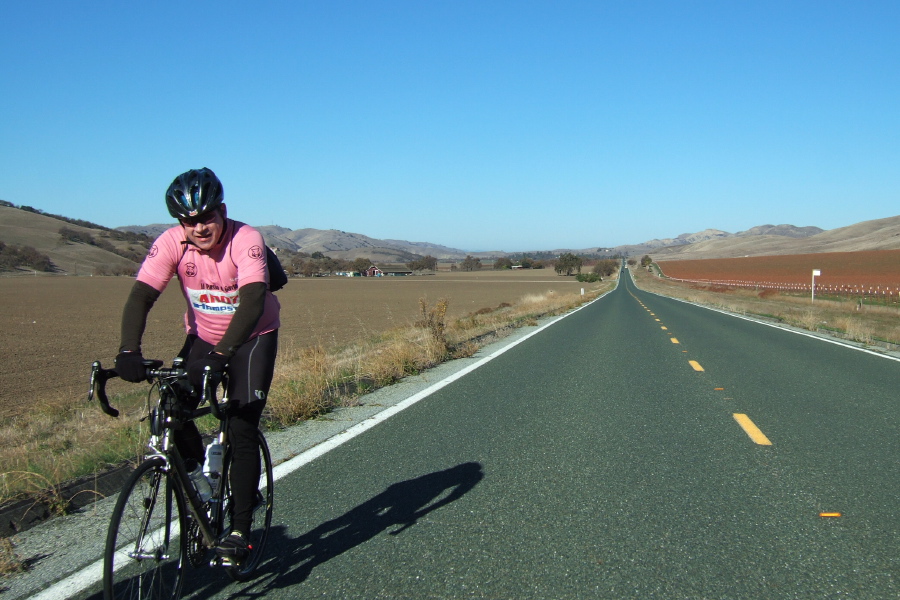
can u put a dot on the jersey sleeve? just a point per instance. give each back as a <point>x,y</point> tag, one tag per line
<point>249,255</point>
<point>162,260</point>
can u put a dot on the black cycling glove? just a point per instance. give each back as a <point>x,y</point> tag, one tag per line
<point>215,362</point>
<point>130,366</point>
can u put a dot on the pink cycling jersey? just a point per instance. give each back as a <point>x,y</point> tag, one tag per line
<point>210,281</point>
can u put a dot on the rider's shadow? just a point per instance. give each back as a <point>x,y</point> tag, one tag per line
<point>395,509</point>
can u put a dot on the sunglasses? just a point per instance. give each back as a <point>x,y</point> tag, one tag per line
<point>204,219</point>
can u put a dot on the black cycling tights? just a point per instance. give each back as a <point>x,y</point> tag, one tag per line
<point>250,373</point>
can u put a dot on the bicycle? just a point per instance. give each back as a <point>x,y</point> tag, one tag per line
<point>160,519</point>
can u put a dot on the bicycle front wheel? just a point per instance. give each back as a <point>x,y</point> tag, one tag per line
<point>146,543</point>
<point>262,512</point>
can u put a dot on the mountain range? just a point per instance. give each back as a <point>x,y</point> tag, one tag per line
<point>348,246</point>
<point>42,232</point>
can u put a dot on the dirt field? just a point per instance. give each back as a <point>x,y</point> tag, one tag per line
<point>52,328</point>
<point>871,268</point>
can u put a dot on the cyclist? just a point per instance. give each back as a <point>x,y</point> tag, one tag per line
<point>232,322</point>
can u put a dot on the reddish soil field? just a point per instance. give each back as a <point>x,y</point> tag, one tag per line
<point>868,269</point>
<point>52,328</point>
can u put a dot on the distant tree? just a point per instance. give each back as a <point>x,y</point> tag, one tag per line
<point>526,263</point>
<point>646,260</point>
<point>568,263</point>
<point>425,263</point>
<point>361,264</point>
<point>470,263</point>
<point>74,236</point>
<point>13,256</point>
<point>317,255</point>
<point>632,262</point>
<point>308,268</point>
<point>605,267</point>
<point>503,263</point>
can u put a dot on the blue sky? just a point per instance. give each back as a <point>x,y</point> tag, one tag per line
<point>478,125</point>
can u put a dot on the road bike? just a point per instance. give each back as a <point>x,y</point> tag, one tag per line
<point>160,520</point>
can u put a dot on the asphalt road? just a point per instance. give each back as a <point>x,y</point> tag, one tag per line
<point>603,458</point>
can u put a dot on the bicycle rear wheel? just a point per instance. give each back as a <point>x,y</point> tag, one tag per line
<point>262,512</point>
<point>145,546</point>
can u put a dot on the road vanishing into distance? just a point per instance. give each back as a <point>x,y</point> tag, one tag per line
<point>641,447</point>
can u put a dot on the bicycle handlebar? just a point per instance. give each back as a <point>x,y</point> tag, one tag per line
<point>99,377</point>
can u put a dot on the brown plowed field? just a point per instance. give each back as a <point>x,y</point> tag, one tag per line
<point>863,269</point>
<point>52,328</point>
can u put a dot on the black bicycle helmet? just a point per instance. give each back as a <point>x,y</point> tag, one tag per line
<point>194,193</point>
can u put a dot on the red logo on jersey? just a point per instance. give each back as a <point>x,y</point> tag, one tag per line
<point>190,270</point>
<point>255,252</point>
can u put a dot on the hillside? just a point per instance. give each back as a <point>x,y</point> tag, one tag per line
<point>879,234</point>
<point>41,232</point>
<point>336,244</point>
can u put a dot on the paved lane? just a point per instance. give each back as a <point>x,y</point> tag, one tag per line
<point>593,461</point>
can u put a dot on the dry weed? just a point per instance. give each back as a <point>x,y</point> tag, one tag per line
<point>10,562</point>
<point>60,443</point>
<point>863,323</point>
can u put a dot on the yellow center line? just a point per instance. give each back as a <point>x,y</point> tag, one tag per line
<point>674,340</point>
<point>665,328</point>
<point>695,364</point>
<point>752,430</point>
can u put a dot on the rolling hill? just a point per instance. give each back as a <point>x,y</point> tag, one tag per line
<point>40,231</point>
<point>879,234</point>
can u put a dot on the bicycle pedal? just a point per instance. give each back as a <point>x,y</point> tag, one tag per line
<point>222,561</point>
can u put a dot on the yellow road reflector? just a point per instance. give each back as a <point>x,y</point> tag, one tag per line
<point>718,389</point>
<point>695,364</point>
<point>674,340</point>
<point>665,328</point>
<point>752,430</point>
<point>829,514</point>
<point>657,320</point>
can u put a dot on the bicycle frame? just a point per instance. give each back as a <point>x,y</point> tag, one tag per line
<point>164,418</point>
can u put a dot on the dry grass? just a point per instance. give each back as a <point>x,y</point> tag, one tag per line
<point>311,381</point>
<point>10,562</point>
<point>56,442</point>
<point>849,318</point>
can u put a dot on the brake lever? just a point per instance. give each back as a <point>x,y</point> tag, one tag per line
<point>209,392</point>
<point>99,377</point>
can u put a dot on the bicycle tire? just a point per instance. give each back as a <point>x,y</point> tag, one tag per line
<point>262,514</point>
<point>146,542</point>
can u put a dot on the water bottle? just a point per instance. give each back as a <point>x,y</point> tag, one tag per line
<point>198,479</point>
<point>213,466</point>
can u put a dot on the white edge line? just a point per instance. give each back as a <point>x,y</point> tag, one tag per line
<point>89,575</point>
<point>773,325</point>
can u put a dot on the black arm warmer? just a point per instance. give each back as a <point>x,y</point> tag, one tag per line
<point>134,316</point>
<point>250,308</point>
